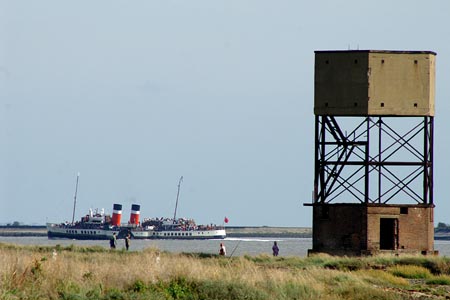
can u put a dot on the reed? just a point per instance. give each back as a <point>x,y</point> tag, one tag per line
<point>95,273</point>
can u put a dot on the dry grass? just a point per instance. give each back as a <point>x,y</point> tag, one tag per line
<point>80,273</point>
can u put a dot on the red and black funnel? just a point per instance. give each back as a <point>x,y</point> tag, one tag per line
<point>135,212</point>
<point>117,214</point>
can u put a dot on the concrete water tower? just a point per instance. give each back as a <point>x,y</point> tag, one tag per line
<point>373,176</point>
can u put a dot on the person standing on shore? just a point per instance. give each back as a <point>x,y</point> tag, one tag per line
<point>127,241</point>
<point>275,249</point>
<point>222,250</point>
<point>113,241</point>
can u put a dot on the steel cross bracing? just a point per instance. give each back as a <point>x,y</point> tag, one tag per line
<point>372,162</point>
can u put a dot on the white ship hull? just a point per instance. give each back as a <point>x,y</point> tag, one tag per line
<point>180,235</point>
<point>68,232</point>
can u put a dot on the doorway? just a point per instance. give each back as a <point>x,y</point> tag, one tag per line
<point>388,234</point>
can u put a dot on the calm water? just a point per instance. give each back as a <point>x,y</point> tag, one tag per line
<point>237,246</point>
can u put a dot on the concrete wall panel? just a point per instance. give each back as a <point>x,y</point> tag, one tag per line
<point>368,82</point>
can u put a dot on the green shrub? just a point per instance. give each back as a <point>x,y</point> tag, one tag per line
<point>138,286</point>
<point>115,294</point>
<point>178,289</point>
<point>71,297</point>
<point>410,271</point>
<point>347,264</point>
<point>382,278</point>
<point>439,280</point>
<point>362,292</point>
<point>94,293</point>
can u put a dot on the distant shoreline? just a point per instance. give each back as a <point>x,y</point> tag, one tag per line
<point>266,231</point>
<point>232,231</point>
<point>23,231</point>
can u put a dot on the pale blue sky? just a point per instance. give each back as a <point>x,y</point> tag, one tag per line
<point>135,94</point>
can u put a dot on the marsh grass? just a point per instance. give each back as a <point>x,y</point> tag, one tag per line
<point>410,271</point>
<point>32,272</point>
<point>440,280</point>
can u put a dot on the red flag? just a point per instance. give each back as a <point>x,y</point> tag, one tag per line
<point>225,220</point>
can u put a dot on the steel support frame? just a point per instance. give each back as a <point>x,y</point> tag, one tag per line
<point>373,160</point>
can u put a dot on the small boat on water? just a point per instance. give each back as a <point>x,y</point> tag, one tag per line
<point>97,225</point>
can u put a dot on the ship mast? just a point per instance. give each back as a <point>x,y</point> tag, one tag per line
<point>75,199</point>
<point>176,203</point>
